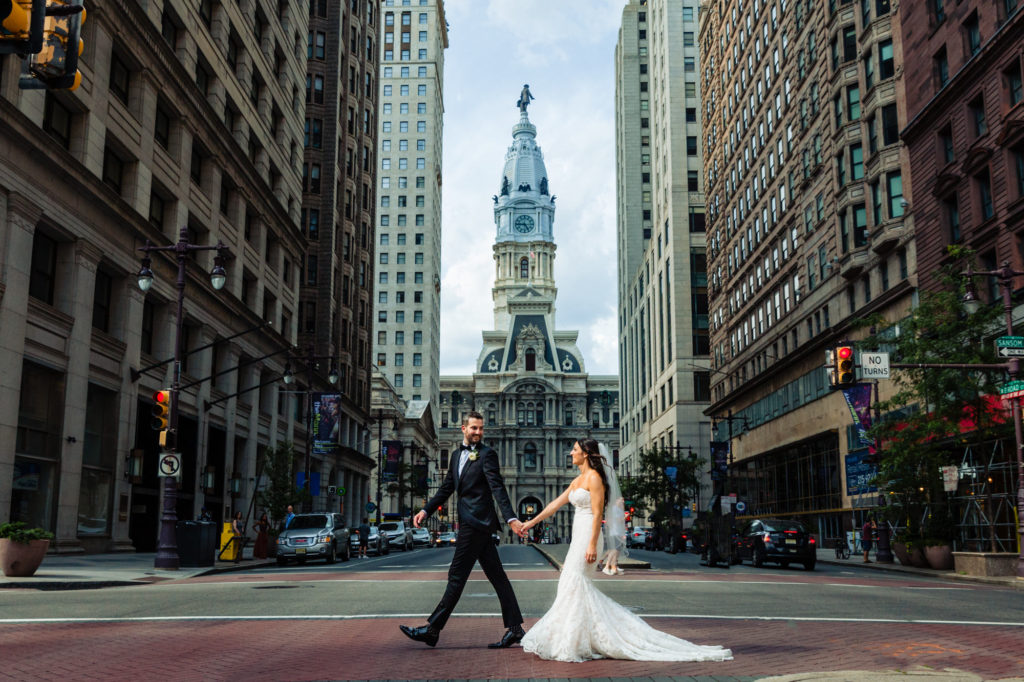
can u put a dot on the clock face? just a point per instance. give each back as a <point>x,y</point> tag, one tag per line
<point>524,224</point>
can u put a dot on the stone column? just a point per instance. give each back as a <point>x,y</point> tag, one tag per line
<point>76,391</point>
<point>18,218</point>
<point>128,416</point>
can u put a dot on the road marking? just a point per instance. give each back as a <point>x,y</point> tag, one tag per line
<point>683,616</point>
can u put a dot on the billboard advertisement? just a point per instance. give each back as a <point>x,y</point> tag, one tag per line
<point>391,452</point>
<point>326,422</point>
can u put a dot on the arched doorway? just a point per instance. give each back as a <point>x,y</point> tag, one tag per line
<point>529,507</point>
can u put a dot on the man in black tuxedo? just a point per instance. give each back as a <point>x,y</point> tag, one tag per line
<point>475,473</point>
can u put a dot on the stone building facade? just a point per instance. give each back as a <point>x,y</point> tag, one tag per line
<point>529,382</point>
<point>189,116</point>
<point>808,231</point>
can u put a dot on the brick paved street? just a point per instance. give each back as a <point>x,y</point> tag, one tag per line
<point>270,649</point>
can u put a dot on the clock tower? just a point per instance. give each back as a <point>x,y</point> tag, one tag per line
<point>524,211</point>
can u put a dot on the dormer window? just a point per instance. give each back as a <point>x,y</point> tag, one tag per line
<point>531,360</point>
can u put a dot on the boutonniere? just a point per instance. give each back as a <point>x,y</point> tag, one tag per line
<point>473,455</point>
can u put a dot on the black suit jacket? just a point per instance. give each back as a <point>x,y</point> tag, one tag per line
<point>479,487</point>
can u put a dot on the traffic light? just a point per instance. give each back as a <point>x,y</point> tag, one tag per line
<point>55,65</point>
<point>21,26</point>
<point>844,366</point>
<point>162,413</point>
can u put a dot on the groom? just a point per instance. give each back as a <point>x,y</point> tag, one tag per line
<point>474,473</point>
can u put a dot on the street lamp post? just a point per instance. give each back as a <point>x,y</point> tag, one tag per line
<point>167,549</point>
<point>1005,275</point>
<point>332,377</point>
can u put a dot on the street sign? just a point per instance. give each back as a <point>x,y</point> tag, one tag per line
<point>1010,342</point>
<point>371,507</point>
<point>741,507</point>
<point>949,478</point>
<point>170,464</point>
<point>1012,387</point>
<point>874,365</point>
<point>341,491</point>
<point>1005,352</point>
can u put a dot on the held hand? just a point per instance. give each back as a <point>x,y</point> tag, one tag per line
<point>517,527</point>
<point>419,518</point>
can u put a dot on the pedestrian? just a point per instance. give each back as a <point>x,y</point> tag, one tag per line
<point>205,515</point>
<point>262,529</point>
<point>238,528</point>
<point>364,538</point>
<point>288,517</point>
<point>866,532</point>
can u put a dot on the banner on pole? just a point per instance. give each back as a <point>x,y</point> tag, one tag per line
<point>858,398</point>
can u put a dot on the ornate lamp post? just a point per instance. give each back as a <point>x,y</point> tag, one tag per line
<point>167,550</point>
<point>1004,275</point>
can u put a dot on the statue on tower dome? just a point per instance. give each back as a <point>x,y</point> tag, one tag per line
<point>524,98</point>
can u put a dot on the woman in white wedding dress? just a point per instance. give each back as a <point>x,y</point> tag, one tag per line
<point>583,623</point>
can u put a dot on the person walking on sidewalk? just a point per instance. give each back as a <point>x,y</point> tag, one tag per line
<point>262,529</point>
<point>364,538</point>
<point>238,528</point>
<point>866,533</point>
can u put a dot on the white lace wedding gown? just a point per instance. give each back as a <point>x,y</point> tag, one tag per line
<point>584,624</point>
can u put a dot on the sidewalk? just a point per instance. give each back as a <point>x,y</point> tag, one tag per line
<point>555,554</point>
<point>94,571</point>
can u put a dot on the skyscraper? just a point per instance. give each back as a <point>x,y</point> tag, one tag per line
<point>663,312</point>
<point>408,304</point>
<point>807,234</point>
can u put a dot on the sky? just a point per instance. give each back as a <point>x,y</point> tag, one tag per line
<point>565,50</point>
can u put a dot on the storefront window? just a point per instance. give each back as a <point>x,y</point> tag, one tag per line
<point>98,462</point>
<point>37,447</point>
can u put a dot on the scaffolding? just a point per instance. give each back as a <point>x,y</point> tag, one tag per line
<point>986,498</point>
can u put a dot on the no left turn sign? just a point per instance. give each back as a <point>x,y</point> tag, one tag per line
<point>170,464</point>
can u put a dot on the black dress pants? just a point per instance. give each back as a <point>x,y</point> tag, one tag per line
<point>472,545</point>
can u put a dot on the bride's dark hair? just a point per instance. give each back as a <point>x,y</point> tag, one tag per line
<point>592,450</point>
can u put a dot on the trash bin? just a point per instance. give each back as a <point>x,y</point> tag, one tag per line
<point>226,535</point>
<point>195,543</point>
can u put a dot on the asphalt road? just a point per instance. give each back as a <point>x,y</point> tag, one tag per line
<point>409,584</point>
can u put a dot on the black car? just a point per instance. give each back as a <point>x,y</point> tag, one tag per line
<point>775,540</point>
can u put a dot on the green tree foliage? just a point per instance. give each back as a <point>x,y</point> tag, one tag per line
<point>931,406</point>
<point>651,489</point>
<point>279,470</point>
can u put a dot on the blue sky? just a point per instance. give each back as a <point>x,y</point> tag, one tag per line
<point>565,50</point>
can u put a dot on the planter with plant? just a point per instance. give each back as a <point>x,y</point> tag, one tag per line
<point>22,549</point>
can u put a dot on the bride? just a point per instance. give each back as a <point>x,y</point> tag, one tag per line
<point>583,623</point>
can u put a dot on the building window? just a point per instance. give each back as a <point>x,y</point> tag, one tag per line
<point>890,125</point>
<point>1018,164</point>
<point>57,120</point>
<point>886,65</point>
<point>946,144</point>
<point>985,195</point>
<point>113,169</point>
<point>120,77</point>
<point>894,187</point>
<point>941,62</point>
<point>853,103</point>
<point>978,120</point>
<point>1013,84</point>
<point>856,162</point>
<point>43,277</point>
<point>972,34</point>
<point>524,268</point>
<point>953,220</point>
<point>103,292</point>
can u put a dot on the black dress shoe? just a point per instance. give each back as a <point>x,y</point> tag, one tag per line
<point>512,636</point>
<point>425,634</point>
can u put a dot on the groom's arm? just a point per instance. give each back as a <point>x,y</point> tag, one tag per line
<point>492,470</point>
<point>443,493</point>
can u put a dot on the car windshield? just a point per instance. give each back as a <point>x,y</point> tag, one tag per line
<point>389,526</point>
<point>309,521</point>
<point>782,526</point>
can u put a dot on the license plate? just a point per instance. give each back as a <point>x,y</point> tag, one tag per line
<point>790,541</point>
<point>300,550</point>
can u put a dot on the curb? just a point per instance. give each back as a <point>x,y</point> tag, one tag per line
<point>1010,582</point>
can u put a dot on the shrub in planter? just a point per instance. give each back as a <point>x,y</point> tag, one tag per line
<point>22,549</point>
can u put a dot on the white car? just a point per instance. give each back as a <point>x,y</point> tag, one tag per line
<point>638,536</point>
<point>398,534</point>
<point>421,536</point>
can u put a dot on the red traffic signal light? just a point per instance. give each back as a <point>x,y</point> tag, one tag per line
<point>844,366</point>
<point>161,409</point>
<point>440,508</point>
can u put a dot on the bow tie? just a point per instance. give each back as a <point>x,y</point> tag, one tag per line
<point>469,448</point>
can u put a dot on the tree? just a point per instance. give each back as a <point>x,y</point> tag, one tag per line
<point>664,484</point>
<point>279,469</point>
<point>408,484</point>
<point>935,408</point>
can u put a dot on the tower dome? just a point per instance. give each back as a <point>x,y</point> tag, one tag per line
<point>524,174</point>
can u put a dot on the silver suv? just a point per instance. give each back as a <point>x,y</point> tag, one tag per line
<point>314,536</point>
<point>398,534</point>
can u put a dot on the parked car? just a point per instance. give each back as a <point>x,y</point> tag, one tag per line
<point>421,536</point>
<point>446,539</point>
<point>377,542</point>
<point>638,537</point>
<point>398,534</point>
<point>777,540</point>
<point>314,536</point>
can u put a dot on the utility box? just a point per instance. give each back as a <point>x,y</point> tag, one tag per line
<point>233,548</point>
<point>196,543</point>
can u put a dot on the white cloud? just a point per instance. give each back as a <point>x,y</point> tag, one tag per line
<point>565,51</point>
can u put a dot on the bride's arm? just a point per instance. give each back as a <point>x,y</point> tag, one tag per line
<point>549,510</point>
<point>597,507</point>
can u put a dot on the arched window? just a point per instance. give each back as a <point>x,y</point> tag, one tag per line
<point>530,456</point>
<point>524,268</point>
<point>531,360</point>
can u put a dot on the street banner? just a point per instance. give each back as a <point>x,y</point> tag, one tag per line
<point>326,422</point>
<point>670,473</point>
<point>859,474</point>
<point>858,398</point>
<point>392,451</point>
<point>719,459</point>
<point>314,482</point>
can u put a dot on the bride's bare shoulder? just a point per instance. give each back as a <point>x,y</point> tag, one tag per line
<point>593,481</point>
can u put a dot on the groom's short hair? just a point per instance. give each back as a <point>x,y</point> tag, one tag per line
<point>472,414</point>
